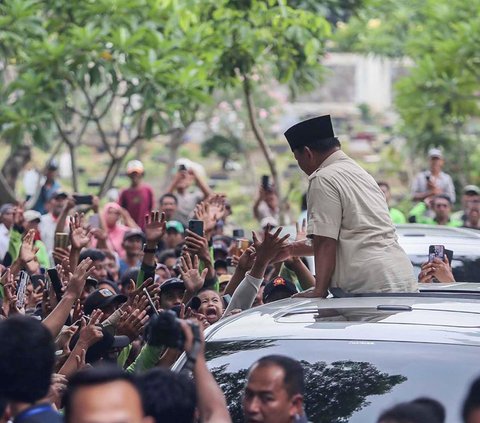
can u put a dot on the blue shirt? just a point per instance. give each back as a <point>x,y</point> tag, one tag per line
<point>41,413</point>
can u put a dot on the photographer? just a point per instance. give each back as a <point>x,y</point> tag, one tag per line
<point>179,401</point>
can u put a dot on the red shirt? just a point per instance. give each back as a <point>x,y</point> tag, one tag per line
<point>138,201</point>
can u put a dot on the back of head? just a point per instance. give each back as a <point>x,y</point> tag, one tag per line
<point>92,377</point>
<point>27,357</point>
<point>435,407</point>
<point>472,402</point>
<point>292,369</point>
<point>177,393</point>
<point>408,412</point>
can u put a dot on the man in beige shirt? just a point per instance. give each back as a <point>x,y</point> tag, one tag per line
<point>351,234</point>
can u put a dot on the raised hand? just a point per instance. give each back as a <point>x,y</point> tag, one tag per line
<point>197,245</point>
<point>78,278</point>
<point>132,323</point>
<point>268,249</point>
<point>60,255</point>
<point>190,274</point>
<point>155,227</point>
<point>91,333</point>
<point>80,238</point>
<point>28,249</point>
<point>246,260</point>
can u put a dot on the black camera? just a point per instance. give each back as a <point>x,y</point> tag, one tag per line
<point>164,329</point>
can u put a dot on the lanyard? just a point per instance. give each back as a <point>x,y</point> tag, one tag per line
<point>32,412</point>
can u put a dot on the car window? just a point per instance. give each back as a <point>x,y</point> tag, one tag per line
<point>353,381</point>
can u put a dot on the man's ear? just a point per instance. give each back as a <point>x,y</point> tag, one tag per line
<point>308,152</point>
<point>296,405</point>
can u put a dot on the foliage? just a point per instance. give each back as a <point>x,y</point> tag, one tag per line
<point>439,97</point>
<point>224,147</point>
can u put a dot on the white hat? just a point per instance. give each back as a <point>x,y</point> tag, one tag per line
<point>31,215</point>
<point>135,166</point>
<point>435,153</point>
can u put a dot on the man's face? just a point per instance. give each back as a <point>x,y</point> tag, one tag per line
<point>8,218</point>
<point>185,180</point>
<point>112,267</point>
<point>472,200</point>
<point>169,207</point>
<point>266,399</point>
<point>436,164</point>
<point>31,225</point>
<point>133,245</point>
<point>271,199</point>
<point>171,297</point>
<point>100,269</point>
<point>173,238</point>
<point>304,160</point>
<point>135,177</point>
<point>441,208</point>
<point>112,402</point>
<point>170,263</point>
<point>57,205</point>
<point>221,271</point>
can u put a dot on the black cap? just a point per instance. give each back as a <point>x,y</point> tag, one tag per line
<point>172,283</point>
<point>134,233</point>
<point>278,284</point>
<point>102,298</point>
<point>308,131</point>
<point>220,264</point>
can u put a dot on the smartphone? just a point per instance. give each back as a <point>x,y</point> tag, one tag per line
<point>182,167</point>
<point>238,233</point>
<point>265,182</point>
<point>22,288</point>
<point>83,199</point>
<point>436,251</point>
<point>243,244</point>
<point>56,282</point>
<point>62,240</point>
<point>37,280</point>
<point>149,298</point>
<point>196,226</point>
<point>229,261</point>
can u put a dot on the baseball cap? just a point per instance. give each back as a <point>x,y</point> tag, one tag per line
<point>175,225</point>
<point>276,285</point>
<point>135,166</point>
<point>435,153</point>
<point>224,279</point>
<point>471,189</point>
<point>31,215</point>
<point>58,194</point>
<point>102,298</point>
<point>6,208</point>
<point>219,245</point>
<point>172,283</point>
<point>52,165</point>
<point>134,233</point>
<point>222,264</point>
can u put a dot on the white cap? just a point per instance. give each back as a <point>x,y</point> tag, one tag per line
<point>135,166</point>
<point>435,153</point>
<point>31,215</point>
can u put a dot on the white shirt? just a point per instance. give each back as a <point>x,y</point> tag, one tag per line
<point>4,240</point>
<point>47,227</point>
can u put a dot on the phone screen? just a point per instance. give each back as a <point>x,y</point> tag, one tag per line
<point>196,226</point>
<point>436,251</point>
<point>22,288</point>
<point>56,282</point>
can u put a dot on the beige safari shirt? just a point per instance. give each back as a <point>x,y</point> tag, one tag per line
<point>346,204</point>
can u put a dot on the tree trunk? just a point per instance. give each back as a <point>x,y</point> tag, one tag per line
<point>260,137</point>
<point>73,163</point>
<point>107,180</point>
<point>15,163</point>
<point>176,141</point>
<point>7,195</point>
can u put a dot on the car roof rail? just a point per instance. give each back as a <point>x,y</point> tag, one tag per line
<point>464,294</point>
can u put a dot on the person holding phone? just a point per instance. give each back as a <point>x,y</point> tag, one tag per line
<point>349,229</point>
<point>182,186</point>
<point>267,204</point>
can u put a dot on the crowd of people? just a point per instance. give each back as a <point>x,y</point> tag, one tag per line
<point>85,287</point>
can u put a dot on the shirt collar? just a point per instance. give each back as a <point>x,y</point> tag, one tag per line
<point>337,155</point>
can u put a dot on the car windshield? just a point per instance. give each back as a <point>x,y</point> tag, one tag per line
<point>353,381</point>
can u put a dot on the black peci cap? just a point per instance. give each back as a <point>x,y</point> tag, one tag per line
<point>311,130</point>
